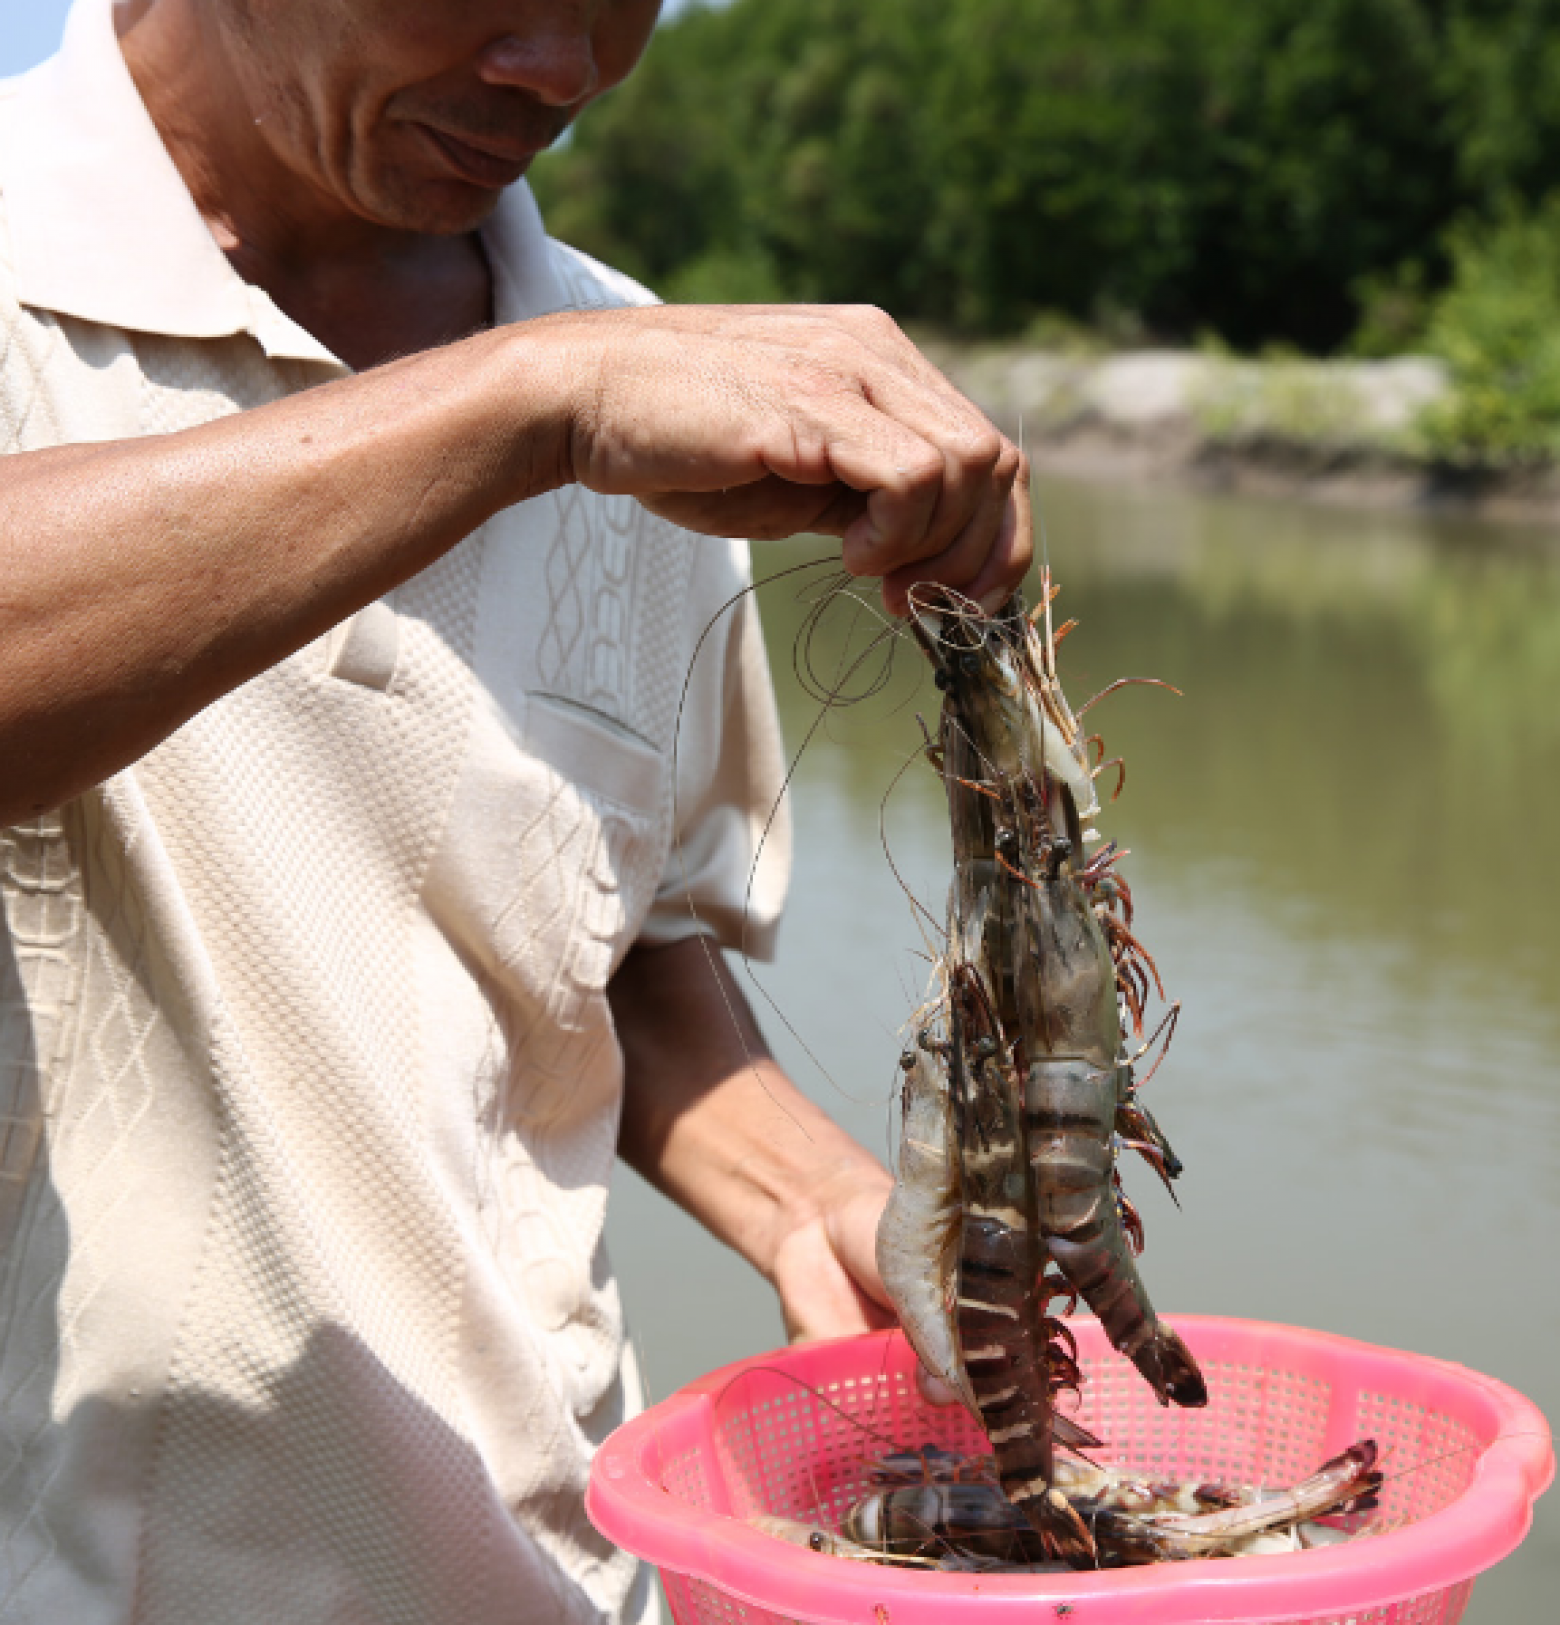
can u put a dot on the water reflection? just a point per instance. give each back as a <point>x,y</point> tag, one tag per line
<point>1341,861</point>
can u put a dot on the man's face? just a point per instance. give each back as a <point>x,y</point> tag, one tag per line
<point>417,113</point>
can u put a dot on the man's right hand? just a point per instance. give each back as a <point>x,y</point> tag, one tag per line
<point>768,421</point>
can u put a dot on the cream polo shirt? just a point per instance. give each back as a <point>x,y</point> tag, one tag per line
<point>308,1086</point>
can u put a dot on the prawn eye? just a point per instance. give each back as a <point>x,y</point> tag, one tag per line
<point>816,1540</point>
<point>907,1060</point>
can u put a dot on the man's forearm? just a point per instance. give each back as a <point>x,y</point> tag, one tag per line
<point>710,1119</point>
<point>140,580</point>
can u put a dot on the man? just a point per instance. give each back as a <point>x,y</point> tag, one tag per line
<point>355,544</point>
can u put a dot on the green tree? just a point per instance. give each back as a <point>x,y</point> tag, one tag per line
<point>1190,164</point>
<point>1498,328</point>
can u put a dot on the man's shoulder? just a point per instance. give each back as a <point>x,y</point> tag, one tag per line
<point>10,95</point>
<point>593,286</point>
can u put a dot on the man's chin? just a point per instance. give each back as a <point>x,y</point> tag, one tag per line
<point>431,208</point>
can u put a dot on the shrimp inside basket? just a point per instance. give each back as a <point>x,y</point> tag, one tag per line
<point>794,1435</point>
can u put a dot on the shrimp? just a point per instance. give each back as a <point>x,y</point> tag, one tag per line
<point>818,1539</point>
<point>1345,1484</point>
<point>1004,1336</point>
<point>1039,964</point>
<point>920,1226</point>
<point>1126,1515</point>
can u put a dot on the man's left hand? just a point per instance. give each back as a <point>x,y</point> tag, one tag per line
<point>713,1122</point>
<point>825,1269</point>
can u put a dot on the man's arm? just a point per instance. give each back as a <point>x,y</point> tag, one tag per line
<point>711,1121</point>
<point>141,580</point>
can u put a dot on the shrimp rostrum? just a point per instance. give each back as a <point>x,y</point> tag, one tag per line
<point>1020,1088</point>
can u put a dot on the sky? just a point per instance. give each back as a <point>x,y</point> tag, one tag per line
<point>30,30</point>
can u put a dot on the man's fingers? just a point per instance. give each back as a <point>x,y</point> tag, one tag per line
<point>825,405</point>
<point>988,559</point>
<point>926,482</point>
<point>770,422</point>
<point>826,1273</point>
<point>865,346</point>
<point>977,472</point>
<point>962,562</point>
<point>1013,551</point>
<point>977,469</point>
<point>769,509</point>
<point>899,471</point>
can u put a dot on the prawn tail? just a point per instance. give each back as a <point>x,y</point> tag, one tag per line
<point>1171,1371</point>
<point>1063,1533</point>
<point>1109,1283</point>
<point>1357,1475</point>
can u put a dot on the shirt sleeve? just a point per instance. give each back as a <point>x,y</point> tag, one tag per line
<point>730,858</point>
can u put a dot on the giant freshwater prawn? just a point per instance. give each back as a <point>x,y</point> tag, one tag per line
<point>1019,1087</point>
<point>1020,1090</point>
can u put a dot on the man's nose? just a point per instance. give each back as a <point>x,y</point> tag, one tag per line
<point>558,67</point>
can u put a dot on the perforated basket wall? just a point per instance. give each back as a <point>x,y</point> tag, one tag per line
<point>795,1435</point>
<point>694,1602</point>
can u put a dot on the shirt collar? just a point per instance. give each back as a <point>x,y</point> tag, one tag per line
<point>103,228</point>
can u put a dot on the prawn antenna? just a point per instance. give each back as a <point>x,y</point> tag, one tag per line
<point>816,1394</point>
<point>1039,507</point>
<point>840,693</point>
<point>710,953</point>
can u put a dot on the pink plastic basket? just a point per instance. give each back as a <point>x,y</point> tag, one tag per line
<point>787,1433</point>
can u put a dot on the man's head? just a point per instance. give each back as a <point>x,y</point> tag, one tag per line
<point>415,114</point>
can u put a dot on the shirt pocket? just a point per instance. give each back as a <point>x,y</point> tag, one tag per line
<point>599,753</point>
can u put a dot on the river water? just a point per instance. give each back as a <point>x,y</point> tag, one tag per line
<point>1344,860</point>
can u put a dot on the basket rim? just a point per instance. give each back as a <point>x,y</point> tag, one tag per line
<point>1484,1524</point>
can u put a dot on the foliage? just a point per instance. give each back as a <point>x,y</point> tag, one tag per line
<point>1500,81</point>
<point>1260,170</point>
<point>1394,308</point>
<point>1497,326</point>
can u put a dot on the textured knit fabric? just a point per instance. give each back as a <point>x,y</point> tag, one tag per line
<point>308,1086</point>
